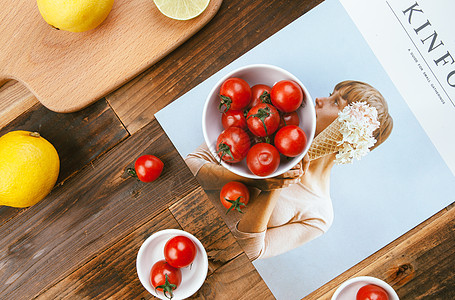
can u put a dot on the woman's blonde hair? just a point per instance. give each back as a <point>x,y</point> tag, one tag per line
<point>354,91</point>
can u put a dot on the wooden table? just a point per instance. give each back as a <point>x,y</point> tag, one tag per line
<point>81,241</point>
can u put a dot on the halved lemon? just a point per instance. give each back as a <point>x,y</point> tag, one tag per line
<point>181,9</point>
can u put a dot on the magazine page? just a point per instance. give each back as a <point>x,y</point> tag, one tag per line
<point>371,202</point>
<point>414,42</point>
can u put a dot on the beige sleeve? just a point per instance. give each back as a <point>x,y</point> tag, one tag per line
<point>276,240</point>
<point>198,158</point>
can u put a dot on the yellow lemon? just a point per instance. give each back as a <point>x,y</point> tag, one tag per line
<point>74,15</point>
<point>29,167</point>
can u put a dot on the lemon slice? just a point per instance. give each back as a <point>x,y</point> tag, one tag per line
<point>181,9</point>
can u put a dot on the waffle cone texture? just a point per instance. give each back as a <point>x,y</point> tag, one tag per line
<point>327,141</point>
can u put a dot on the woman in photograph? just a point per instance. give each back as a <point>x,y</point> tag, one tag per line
<point>287,211</point>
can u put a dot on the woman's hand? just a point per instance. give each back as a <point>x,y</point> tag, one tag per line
<point>284,180</point>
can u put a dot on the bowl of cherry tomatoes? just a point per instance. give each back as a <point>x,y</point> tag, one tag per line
<point>259,121</point>
<point>172,263</point>
<point>365,288</point>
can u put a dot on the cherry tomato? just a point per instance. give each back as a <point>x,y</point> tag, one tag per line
<point>260,93</point>
<point>291,118</point>
<point>286,95</point>
<point>263,119</point>
<point>233,144</point>
<point>148,168</point>
<point>233,195</point>
<point>372,292</point>
<point>179,251</point>
<point>165,277</point>
<point>235,94</point>
<point>234,118</point>
<point>290,140</point>
<point>263,159</point>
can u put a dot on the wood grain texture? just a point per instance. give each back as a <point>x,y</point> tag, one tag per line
<point>418,265</point>
<point>89,211</point>
<point>237,279</point>
<point>231,275</point>
<point>196,214</point>
<point>112,273</point>
<point>78,137</point>
<point>236,28</point>
<point>67,71</point>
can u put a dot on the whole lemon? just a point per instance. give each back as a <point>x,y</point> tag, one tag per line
<point>74,15</point>
<point>29,167</point>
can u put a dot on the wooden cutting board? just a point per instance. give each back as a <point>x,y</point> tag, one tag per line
<point>67,71</point>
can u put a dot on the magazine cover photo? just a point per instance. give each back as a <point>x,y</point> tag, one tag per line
<point>366,162</point>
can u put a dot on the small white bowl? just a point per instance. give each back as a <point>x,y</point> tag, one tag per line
<point>256,74</point>
<point>348,289</point>
<point>152,250</point>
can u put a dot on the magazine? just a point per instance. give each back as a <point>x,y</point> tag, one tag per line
<point>402,49</point>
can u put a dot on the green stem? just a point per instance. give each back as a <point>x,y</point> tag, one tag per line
<point>262,114</point>
<point>132,172</point>
<point>224,150</point>
<point>225,100</point>
<point>167,287</point>
<point>265,97</point>
<point>235,204</point>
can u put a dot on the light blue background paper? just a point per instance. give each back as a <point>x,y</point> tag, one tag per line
<point>394,188</point>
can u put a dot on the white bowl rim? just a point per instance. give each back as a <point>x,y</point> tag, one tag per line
<point>367,280</point>
<point>240,69</point>
<point>171,232</point>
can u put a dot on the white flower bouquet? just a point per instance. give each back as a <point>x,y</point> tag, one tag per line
<point>357,121</point>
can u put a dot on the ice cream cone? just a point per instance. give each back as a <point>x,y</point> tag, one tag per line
<point>326,142</point>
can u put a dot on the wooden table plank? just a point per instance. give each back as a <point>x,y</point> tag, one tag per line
<point>231,275</point>
<point>78,137</point>
<point>236,28</point>
<point>237,280</point>
<point>196,214</point>
<point>112,273</point>
<point>50,240</point>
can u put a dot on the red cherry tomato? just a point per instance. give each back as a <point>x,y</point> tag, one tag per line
<point>291,118</point>
<point>179,251</point>
<point>286,95</point>
<point>263,119</point>
<point>233,195</point>
<point>260,93</point>
<point>263,159</point>
<point>235,94</point>
<point>233,144</point>
<point>165,277</point>
<point>148,168</point>
<point>372,292</point>
<point>290,140</point>
<point>234,118</point>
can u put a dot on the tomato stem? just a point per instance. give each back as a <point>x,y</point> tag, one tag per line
<point>262,114</point>
<point>225,100</point>
<point>265,97</point>
<point>132,173</point>
<point>224,150</point>
<point>167,287</point>
<point>235,204</point>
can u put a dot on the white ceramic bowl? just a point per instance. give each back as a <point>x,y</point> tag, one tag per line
<point>152,250</point>
<point>348,289</point>
<point>256,74</point>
